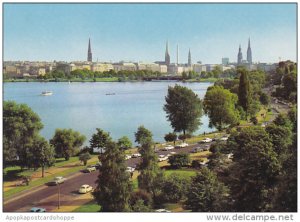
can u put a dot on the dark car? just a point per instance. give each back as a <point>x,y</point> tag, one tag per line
<point>37,210</point>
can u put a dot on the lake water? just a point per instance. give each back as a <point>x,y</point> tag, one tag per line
<point>85,106</point>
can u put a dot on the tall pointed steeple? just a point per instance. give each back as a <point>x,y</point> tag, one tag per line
<point>249,53</point>
<point>89,56</point>
<point>167,55</point>
<point>189,58</point>
<point>240,56</point>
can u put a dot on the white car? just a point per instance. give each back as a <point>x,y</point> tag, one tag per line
<point>57,180</point>
<point>127,157</point>
<point>90,169</point>
<point>182,145</point>
<point>162,211</point>
<point>224,138</point>
<point>168,147</point>
<point>206,140</point>
<point>162,158</point>
<point>136,155</point>
<point>85,189</point>
<point>130,169</point>
<point>172,153</point>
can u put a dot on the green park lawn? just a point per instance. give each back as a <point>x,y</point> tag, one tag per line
<point>91,206</point>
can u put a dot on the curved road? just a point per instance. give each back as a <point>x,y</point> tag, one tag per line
<point>47,196</point>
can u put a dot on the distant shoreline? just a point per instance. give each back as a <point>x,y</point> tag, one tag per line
<point>114,79</point>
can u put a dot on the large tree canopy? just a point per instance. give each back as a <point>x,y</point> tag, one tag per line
<point>219,105</point>
<point>67,142</point>
<point>20,127</point>
<point>183,108</point>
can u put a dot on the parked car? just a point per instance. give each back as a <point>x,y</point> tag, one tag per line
<point>57,180</point>
<point>224,138</point>
<point>182,145</point>
<point>136,155</point>
<point>130,169</point>
<point>162,158</point>
<point>97,165</point>
<point>37,210</point>
<point>197,150</point>
<point>206,140</point>
<point>162,211</point>
<point>168,147</point>
<point>85,189</point>
<point>90,169</point>
<point>172,153</point>
<point>127,157</point>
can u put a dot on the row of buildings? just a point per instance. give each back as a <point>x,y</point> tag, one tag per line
<point>26,68</point>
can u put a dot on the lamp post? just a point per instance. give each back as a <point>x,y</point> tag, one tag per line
<point>58,205</point>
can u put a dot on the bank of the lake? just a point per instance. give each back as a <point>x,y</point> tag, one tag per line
<point>116,107</point>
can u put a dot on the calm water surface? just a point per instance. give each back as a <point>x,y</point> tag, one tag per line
<point>85,106</point>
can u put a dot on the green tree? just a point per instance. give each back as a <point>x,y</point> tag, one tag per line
<point>140,201</point>
<point>206,193</point>
<point>174,188</point>
<point>183,108</point>
<point>219,104</point>
<point>67,142</point>
<point>179,160</point>
<point>113,184</point>
<point>124,142</point>
<point>99,139</point>
<point>244,96</point>
<point>264,99</point>
<point>142,135</point>
<point>254,170</point>
<point>150,173</point>
<point>84,157</point>
<point>171,137</point>
<point>21,125</point>
<point>283,120</point>
<point>41,154</point>
<point>217,71</point>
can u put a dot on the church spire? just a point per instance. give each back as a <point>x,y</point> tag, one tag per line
<point>189,58</point>
<point>249,53</point>
<point>167,56</point>
<point>89,57</point>
<point>240,56</point>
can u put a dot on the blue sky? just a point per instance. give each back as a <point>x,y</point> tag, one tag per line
<point>138,32</point>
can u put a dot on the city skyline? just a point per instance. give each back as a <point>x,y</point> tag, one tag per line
<point>138,32</point>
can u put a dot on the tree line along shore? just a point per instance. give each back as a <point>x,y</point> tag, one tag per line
<point>264,153</point>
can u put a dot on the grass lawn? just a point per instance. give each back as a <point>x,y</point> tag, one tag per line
<point>91,206</point>
<point>185,173</point>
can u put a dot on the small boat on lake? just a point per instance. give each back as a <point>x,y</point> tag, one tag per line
<point>47,93</point>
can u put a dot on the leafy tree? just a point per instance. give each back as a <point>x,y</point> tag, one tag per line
<point>171,137</point>
<point>21,125</point>
<point>264,99</point>
<point>183,137</point>
<point>67,142</point>
<point>254,108</point>
<point>254,120</point>
<point>150,173</point>
<point>143,135</point>
<point>254,170</point>
<point>217,71</point>
<point>174,188</point>
<point>283,120</point>
<point>40,154</point>
<point>125,143</point>
<point>244,96</point>
<point>113,184</point>
<point>183,108</point>
<point>292,115</point>
<point>219,105</point>
<point>84,157</point>
<point>281,138</point>
<point>179,160</point>
<point>206,193</point>
<point>140,201</point>
<point>99,139</point>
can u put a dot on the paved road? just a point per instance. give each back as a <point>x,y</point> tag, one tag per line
<point>47,196</point>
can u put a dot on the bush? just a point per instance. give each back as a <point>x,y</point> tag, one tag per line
<point>179,160</point>
<point>196,164</point>
<point>254,120</point>
<point>140,201</point>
